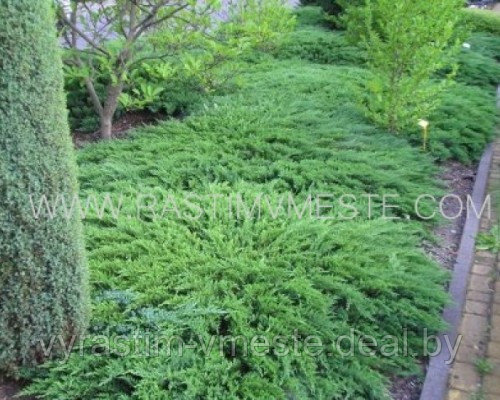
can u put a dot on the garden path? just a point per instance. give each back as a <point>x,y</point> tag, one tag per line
<point>476,371</point>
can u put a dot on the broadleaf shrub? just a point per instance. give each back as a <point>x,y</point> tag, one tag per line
<point>43,293</point>
<point>189,83</point>
<point>406,42</point>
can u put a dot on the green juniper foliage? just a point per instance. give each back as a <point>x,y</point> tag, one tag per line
<point>42,266</point>
<point>315,42</point>
<point>486,44</point>
<point>478,70</point>
<point>293,128</point>
<point>321,46</point>
<point>463,124</point>
<point>479,63</point>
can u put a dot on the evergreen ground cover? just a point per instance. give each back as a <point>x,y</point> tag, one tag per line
<point>293,127</point>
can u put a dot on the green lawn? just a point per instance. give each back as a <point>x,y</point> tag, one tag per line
<point>292,128</point>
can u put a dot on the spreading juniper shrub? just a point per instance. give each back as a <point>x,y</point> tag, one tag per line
<point>293,128</point>
<point>286,131</point>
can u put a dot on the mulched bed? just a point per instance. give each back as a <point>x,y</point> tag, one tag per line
<point>9,389</point>
<point>459,180</point>
<point>121,127</point>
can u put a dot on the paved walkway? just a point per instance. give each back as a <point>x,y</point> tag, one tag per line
<point>475,374</point>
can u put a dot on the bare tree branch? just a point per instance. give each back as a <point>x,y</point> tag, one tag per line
<point>82,34</point>
<point>149,22</point>
<point>132,18</point>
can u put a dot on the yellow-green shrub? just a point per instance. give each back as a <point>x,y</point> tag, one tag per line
<point>406,42</point>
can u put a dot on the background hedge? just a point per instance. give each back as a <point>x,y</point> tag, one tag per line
<point>482,20</point>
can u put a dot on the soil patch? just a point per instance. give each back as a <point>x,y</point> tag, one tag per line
<point>121,127</point>
<point>9,389</point>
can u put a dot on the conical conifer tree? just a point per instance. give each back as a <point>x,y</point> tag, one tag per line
<point>43,293</point>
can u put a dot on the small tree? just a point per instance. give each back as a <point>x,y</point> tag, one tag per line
<point>111,38</point>
<point>406,43</point>
<point>43,294</point>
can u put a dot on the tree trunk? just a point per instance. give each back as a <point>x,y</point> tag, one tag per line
<point>106,126</point>
<point>110,106</point>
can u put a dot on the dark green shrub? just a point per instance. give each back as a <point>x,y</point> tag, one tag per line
<point>486,44</point>
<point>42,266</point>
<point>320,46</point>
<point>477,69</point>
<point>463,125</point>
<point>478,61</point>
<point>331,7</point>
<point>82,116</point>
<point>309,15</point>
